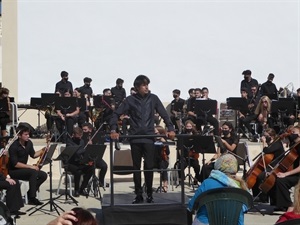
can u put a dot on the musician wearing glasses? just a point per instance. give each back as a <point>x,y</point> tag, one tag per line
<point>19,152</point>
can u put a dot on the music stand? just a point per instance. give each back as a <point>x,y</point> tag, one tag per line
<point>65,156</point>
<point>92,154</point>
<point>65,105</point>
<point>205,107</point>
<point>51,200</point>
<point>48,99</point>
<point>281,107</point>
<point>81,104</point>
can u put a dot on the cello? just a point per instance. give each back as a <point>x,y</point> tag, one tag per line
<point>283,166</point>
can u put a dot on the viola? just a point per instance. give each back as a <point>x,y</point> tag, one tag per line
<point>258,167</point>
<point>193,154</point>
<point>43,156</point>
<point>283,166</point>
<point>164,155</point>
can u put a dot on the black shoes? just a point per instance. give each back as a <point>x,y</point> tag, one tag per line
<point>17,213</point>
<point>138,199</point>
<point>283,209</point>
<point>76,194</point>
<point>149,199</point>
<point>34,201</point>
<point>84,193</point>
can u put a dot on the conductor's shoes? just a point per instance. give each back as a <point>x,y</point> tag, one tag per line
<point>149,199</point>
<point>138,199</point>
<point>34,201</point>
<point>76,194</point>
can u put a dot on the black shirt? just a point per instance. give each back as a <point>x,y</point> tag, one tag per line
<point>62,86</point>
<point>233,139</point>
<point>177,105</point>
<point>86,90</point>
<point>18,153</point>
<point>248,85</point>
<point>269,89</point>
<point>277,149</point>
<point>119,94</point>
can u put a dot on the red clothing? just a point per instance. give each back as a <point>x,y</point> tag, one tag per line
<point>288,216</point>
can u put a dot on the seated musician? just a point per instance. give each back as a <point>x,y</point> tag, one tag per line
<point>161,156</point>
<point>75,166</point>
<point>223,175</point>
<point>83,114</point>
<point>66,118</point>
<point>13,198</point>
<point>274,150</point>
<point>4,117</point>
<point>87,128</point>
<point>19,151</point>
<point>262,112</point>
<point>190,156</point>
<point>177,110</point>
<point>229,144</point>
<point>288,179</point>
<point>203,118</point>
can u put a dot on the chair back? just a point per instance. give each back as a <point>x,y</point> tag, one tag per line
<point>123,164</point>
<point>60,162</point>
<point>223,205</point>
<point>290,222</point>
<point>243,153</point>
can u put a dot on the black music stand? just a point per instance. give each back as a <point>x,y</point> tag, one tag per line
<point>51,200</point>
<point>237,104</point>
<point>283,106</point>
<point>92,154</point>
<point>204,144</point>
<point>205,108</point>
<point>65,104</point>
<point>65,156</point>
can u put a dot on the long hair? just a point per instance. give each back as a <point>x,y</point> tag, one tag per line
<point>194,130</point>
<point>259,107</point>
<point>230,126</point>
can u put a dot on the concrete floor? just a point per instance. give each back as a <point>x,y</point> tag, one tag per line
<point>123,184</point>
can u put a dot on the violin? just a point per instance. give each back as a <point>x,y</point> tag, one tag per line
<point>43,156</point>
<point>4,159</point>
<point>193,154</point>
<point>283,166</point>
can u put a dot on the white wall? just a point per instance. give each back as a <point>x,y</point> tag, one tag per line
<point>178,44</point>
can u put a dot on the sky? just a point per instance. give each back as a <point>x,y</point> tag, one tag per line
<point>177,44</point>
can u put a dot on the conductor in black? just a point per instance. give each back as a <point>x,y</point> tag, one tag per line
<point>141,107</point>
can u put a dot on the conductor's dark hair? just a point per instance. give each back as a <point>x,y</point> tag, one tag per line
<point>64,74</point>
<point>140,80</point>
<point>176,91</point>
<point>119,81</point>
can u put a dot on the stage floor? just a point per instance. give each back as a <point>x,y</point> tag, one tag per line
<point>167,209</point>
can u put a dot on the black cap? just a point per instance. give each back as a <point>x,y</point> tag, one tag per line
<point>87,79</point>
<point>246,72</point>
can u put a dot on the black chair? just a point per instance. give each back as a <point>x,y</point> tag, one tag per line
<point>290,222</point>
<point>223,204</point>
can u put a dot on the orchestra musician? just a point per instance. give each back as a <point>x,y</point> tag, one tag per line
<point>86,89</point>
<point>288,179</point>
<point>244,115</point>
<point>75,165</point>
<point>190,156</point>
<point>19,151</point>
<point>66,118</point>
<point>262,111</point>
<point>177,109</point>
<point>63,84</point>
<point>118,92</point>
<point>4,117</point>
<point>269,88</point>
<point>248,82</point>
<point>87,129</point>
<point>140,107</point>
<point>161,157</point>
<point>273,151</point>
<point>83,114</point>
<point>229,144</point>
